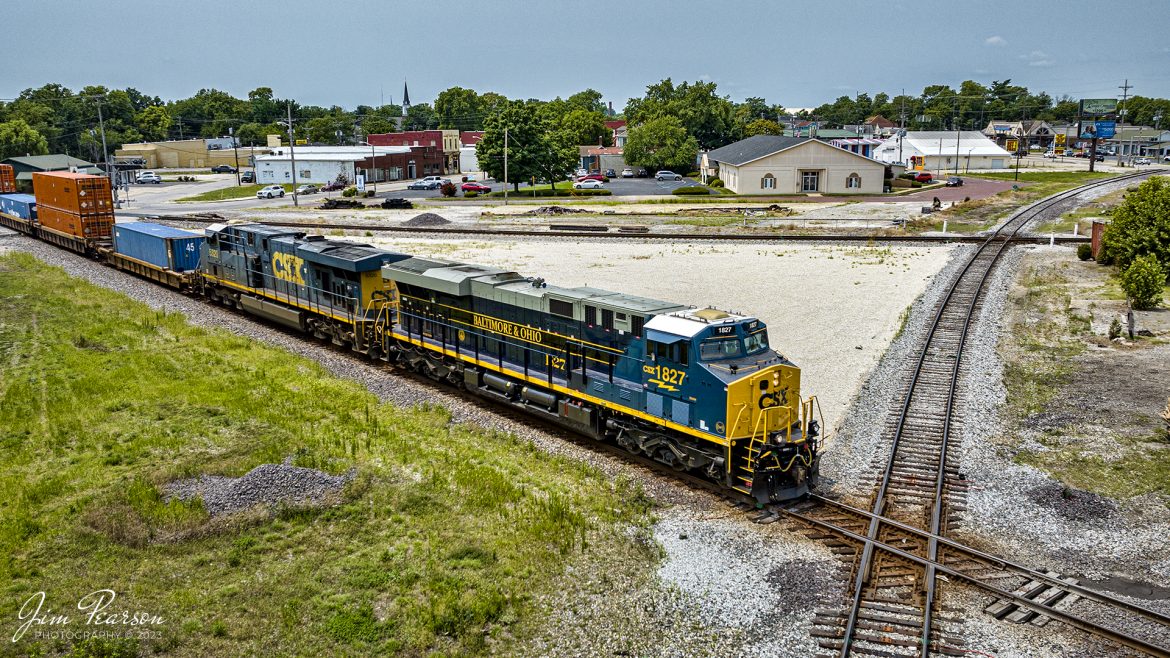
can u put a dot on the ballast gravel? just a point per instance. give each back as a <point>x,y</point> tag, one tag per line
<point>267,485</point>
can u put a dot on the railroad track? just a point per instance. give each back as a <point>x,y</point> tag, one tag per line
<point>919,486</point>
<point>605,235</point>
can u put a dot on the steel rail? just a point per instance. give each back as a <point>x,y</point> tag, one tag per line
<point>1066,617</point>
<point>1019,220</point>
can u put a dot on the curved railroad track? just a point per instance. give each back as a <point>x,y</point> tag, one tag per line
<point>919,486</point>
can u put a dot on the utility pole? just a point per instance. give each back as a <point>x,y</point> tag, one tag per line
<point>292,154</point>
<point>236,150</point>
<point>106,154</point>
<point>506,166</point>
<point>902,127</point>
<point>1121,112</point>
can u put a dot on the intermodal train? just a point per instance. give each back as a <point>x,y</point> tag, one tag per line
<point>698,389</point>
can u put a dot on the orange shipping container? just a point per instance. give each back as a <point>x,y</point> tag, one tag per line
<point>81,194</point>
<point>7,179</point>
<point>82,226</point>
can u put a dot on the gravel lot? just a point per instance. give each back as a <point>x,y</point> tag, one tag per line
<point>831,309</point>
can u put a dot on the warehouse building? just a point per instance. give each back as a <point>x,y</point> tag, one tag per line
<point>771,164</point>
<point>326,164</point>
<point>187,153</point>
<point>943,150</point>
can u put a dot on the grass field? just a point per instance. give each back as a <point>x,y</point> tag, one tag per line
<point>235,192</point>
<point>437,547</point>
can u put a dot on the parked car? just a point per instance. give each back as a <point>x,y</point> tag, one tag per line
<point>587,184</point>
<point>1051,155</point>
<point>593,176</point>
<point>581,172</point>
<point>308,189</point>
<point>1166,159</point>
<point>270,191</point>
<point>924,177</point>
<point>223,169</point>
<point>610,173</point>
<point>667,175</point>
<point>148,177</point>
<point>627,173</point>
<point>333,187</point>
<point>472,186</point>
<point>1142,161</point>
<point>954,181</point>
<point>1100,157</point>
<point>248,177</point>
<point>422,184</point>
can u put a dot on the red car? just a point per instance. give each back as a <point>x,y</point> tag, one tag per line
<point>333,187</point>
<point>924,177</point>
<point>475,187</point>
<point>597,177</point>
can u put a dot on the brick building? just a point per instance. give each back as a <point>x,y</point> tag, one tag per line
<point>447,141</point>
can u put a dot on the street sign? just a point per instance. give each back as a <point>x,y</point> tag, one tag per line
<point>1106,129</point>
<point>361,182</point>
<point>1060,139</point>
<point>1098,105</point>
<point>1012,145</point>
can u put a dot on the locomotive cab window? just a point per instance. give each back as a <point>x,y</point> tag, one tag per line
<point>720,348</point>
<point>607,318</point>
<point>757,342</point>
<point>590,315</point>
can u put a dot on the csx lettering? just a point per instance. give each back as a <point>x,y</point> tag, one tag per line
<point>287,267</point>
<point>507,328</point>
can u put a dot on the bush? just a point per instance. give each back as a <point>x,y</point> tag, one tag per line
<point>1142,282</point>
<point>1115,328</point>
<point>447,189</point>
<point>349,192</point>
<point>1140,226</point>
<point>716,182</point>
<point>470,194</point>
<point>691,189</point>
<point>1084,251</point>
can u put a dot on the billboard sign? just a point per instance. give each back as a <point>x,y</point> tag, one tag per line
<point>1088,130</point>
<point>1012,145</point>
<point>1001,128</point>
<point>1106,129</point>
<point>1058,142</point>
<point>1098,105</point>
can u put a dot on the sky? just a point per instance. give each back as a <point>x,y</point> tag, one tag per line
<point>338,52</point>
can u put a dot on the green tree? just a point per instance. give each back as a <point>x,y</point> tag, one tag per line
<point>535,147</point>
<point>588,100</point>
<point>17,138</point>
<point>762,127</point>
<point>1143,281</point>
<point>459,109</point>
<point>661,143</point>
<point>1140,227</point>
<point>708,117</point>
<point>584,127</point>
<point>420,117</point>
<point>154,122</point>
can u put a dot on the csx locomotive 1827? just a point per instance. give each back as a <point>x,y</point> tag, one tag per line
<point>700,390</point>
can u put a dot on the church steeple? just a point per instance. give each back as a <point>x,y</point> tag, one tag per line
<point>405,98</point>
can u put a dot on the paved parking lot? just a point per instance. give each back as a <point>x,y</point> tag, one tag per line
<point>619,187</point>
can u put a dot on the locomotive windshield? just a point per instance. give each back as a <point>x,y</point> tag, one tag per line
<point>757,342</point>
<point>720,348</point>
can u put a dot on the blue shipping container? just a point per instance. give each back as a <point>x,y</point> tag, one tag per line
<point>162,246</point>
<point>23,206</point>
